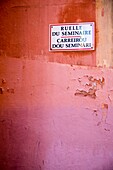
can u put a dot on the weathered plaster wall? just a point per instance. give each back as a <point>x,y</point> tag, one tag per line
<point>53,116</point>
<point>104,21</point>
<point>25,25</point>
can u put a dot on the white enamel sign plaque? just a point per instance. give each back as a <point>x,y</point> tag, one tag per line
<point>72,37</point>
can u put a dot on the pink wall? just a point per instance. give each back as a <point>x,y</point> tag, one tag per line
<point>44,125</point>
<point>53,115</point>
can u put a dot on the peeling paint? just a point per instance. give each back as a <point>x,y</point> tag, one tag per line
<point>104,112</point>
<point>10,90</point>
<point>92,84</point>
<point>91,93</point>
<point>1,90</point>
<point>3,81</point>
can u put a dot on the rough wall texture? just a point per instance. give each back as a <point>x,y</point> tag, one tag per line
<point>104,22</point>
<point>25,25</point>
<point>53,116</point>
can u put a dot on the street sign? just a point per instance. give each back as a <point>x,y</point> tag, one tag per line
<point>72,37</point>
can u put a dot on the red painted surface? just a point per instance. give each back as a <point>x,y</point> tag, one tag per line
<point>52,116</point>
<point>78,11</point>
<point>26,28</point>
